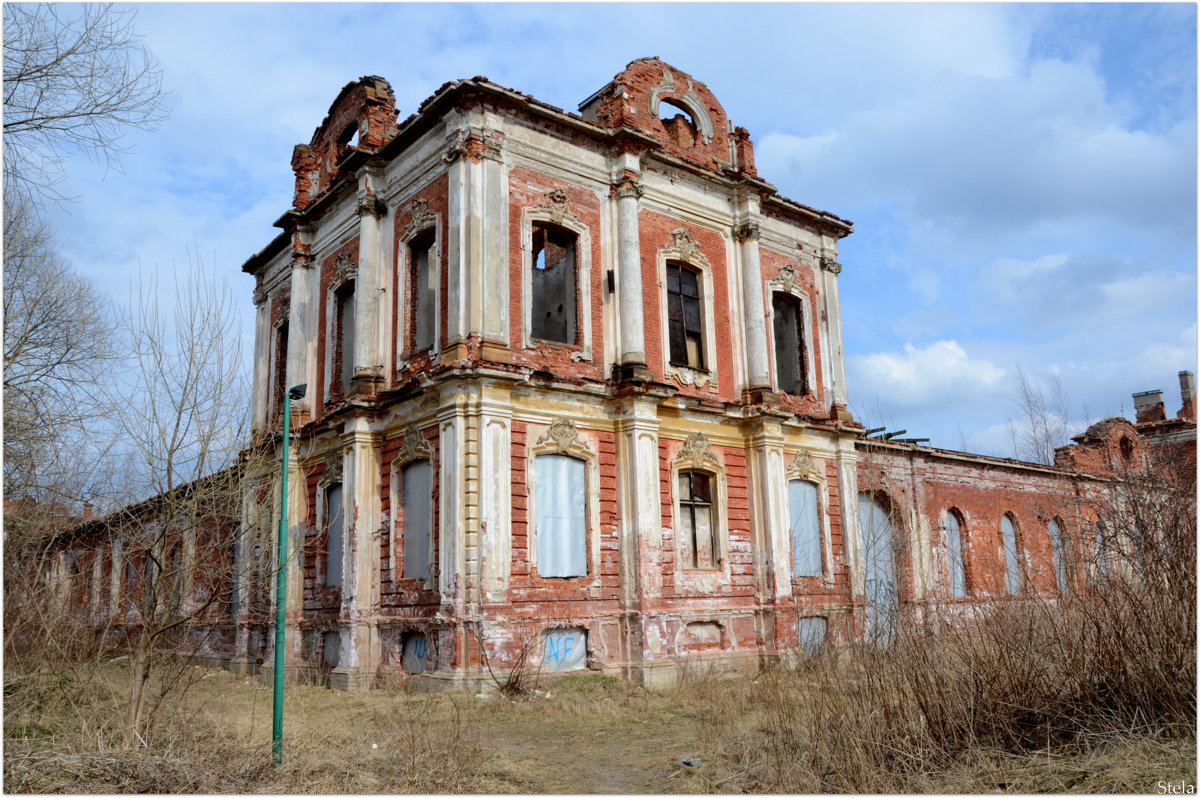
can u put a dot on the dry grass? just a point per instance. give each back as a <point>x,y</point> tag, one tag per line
<point>591,734</point>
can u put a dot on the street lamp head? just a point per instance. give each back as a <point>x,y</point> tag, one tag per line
<point>298,391</point>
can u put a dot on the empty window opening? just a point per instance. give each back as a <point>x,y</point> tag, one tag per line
<point>805,526</point>
<point>1102,549</point>
<point>564,649</point>
<point>349,137</point>
<point>697,527</point>
<point>414,653</point>
<point>1126,446</point>
<point>281,347</point>
<point>334,535</point>
<point>811,633</point>
<point>417,507</point>
<point>1054,531</point>
<point>683,316</point>
<point>331,645</point>
<point>678,123</point>
<point>422,277</point>
<point>954,555</point>
<point>1012,556</point>
<point>561,515</point>
<point>789,344</point>
<point>343,364</point>
<point>552,284</point>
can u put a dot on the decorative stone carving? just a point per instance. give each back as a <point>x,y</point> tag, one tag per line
<point>746,231</point>
<point>830,264</point>
<point>691,377</point>
<point>369,205</point>
<point>803,465</point>
<point>344,270</point>
<point>697,452</point>
<point>561,435</point>
<point>421,217</point>
<point>260,296</point>
<point>628,188</point>
<point>333,468</point>
<point>683,243</point>
<point>413,447</point>
<point>285,308</point>
<point>785,278</point>
<point>557,205</point>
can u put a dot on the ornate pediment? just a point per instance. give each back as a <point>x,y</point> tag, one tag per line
<point>557,205</point>
<point>785,279</point>
<point>413,447</point>
<point>420,217</point>
<point>344,270</point>
<point>803,465</point>
<point>561,436</point>
<point>697,452</point>
<point>333,468</point>
<point>684,245</point>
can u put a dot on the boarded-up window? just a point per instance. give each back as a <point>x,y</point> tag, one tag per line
<point>414,651</point>
<point>806,528</point>
<point>1012,557</point>
<point>423,274</point>
<point>954,555</point>
<point>331,644</point>
<point>552,284</point>
<point>1060,561</point>
<point>697,517</point>
<point>564,649</point>
<point>418,520</point>
<point>561,515</point>
<point>811,633</point>
<point>875,523</point>
<point>334,534</point>
<point>789,343</point>
<point>684,329</point>
<point>344,352</point>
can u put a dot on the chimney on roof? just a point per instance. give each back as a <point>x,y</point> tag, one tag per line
<point>1149,406</point>
<point>1187,387</point>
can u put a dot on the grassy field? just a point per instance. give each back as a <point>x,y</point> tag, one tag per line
<point>579,734</point>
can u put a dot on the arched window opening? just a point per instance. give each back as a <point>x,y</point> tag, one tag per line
<point>561,515</point>
<point>804,512</point>
<point>954,555</point>
<point>1102,549</point>
<point>552,284</point>
<point>875,524</point>
<point>334,534</point>
<point>684,328</point>
<point>1054,531</point>
<point>677,121</point>
<point>422,292</point>
<point>788,321</point>
<point>1012,555</point>
<point>697,522</point>
<point>417,519</point>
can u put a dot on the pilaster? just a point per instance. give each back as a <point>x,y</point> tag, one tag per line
<point>370,290</point>
<point>262,343</point>
<point>303,331</point>
<point>830,269</point>
<point>758,377</point>
<point>495,495</point>
<point>768,510</point>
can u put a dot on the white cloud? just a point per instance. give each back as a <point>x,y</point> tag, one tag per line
<point>941,373</point>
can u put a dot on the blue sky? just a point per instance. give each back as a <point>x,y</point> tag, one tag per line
<point>1022,178</point>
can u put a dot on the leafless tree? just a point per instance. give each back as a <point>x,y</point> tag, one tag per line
<point>1043,422</point>
<point>182,415</point>
<point>59,342</point>
<point>75,78</point>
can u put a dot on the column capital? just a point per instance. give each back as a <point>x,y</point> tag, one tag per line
<point>370,205</point>
<point>628,188</point>
<point>746,231</point>
<point>831,264</point>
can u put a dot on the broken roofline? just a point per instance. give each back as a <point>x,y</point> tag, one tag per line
<point>445,98</point>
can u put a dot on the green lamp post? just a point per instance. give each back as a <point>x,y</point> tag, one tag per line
<point>281,578</point>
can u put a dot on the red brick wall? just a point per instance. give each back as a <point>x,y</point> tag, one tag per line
<point>436,197</point>
<point>324,302</point>
<point>654,234</point>
<point>812,404</point>
<point>527,189</point>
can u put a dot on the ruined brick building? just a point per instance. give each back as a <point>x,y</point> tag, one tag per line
<point>576,380</point>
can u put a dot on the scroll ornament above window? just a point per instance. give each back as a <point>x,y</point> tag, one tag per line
<point>344,271</point>
<point>557,205</point>
<point>562,438</point>
<point>333,468</point>
<point>697,453</point>
<point>420,217</point>
<point>413,447</point>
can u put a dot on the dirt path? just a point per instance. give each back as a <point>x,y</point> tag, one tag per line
<point>589,756</point>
